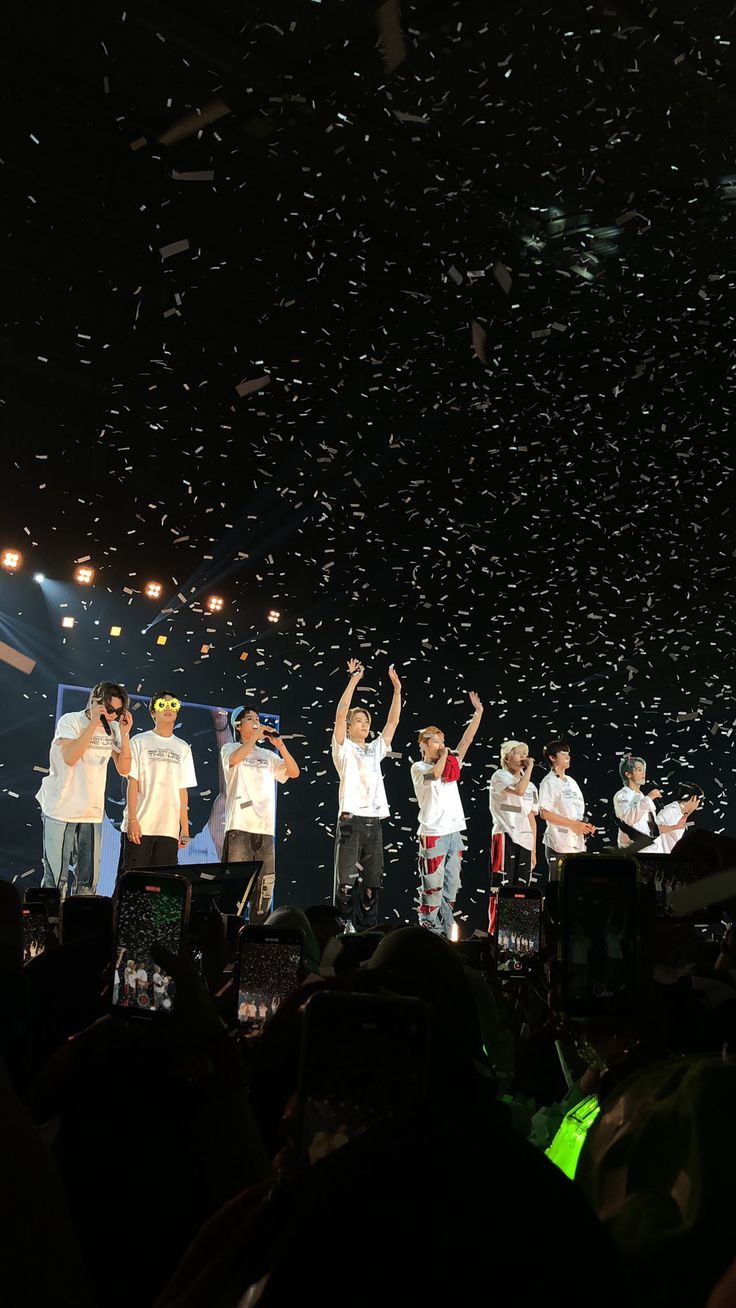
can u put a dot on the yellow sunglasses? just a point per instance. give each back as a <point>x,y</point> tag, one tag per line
<point>161,704</point>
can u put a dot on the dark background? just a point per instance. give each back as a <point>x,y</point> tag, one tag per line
<point>538,506</point>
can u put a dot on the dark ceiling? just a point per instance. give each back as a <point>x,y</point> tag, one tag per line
<point>480,257</point>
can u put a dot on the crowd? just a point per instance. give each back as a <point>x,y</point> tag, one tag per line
<point>386,1130</point>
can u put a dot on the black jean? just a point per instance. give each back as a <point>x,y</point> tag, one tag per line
<point>153,851</point>
<point>253,847</point>
<point>358,869</point>
<point>510,862</point>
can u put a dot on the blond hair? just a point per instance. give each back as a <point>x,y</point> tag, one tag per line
<point>426,732</point>
<point>351,714</point>
<point>508,746</point>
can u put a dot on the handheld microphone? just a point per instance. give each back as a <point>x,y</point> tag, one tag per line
<point>106,725</point>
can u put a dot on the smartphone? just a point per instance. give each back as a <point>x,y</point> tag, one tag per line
<point>268,968</point>
<point>84,916</point>
<point>599,945</point>
<point>49,896</point>
<point>478,953</point>
<point>151,909</point>
<point>364,1062</point>
<point>35,926</point>
<point>518,928</point>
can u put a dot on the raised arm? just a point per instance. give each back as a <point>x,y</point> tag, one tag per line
<point>439,766</point>
<point>292,767</point>
<point>121,757</point>
<point>72,750</point>
<point>468,735</point>
<point>355,672</point>
<point>521,786</point>
<point>394,712</point>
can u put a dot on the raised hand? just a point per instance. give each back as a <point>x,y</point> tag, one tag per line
<point>126,722</point>
<point>394,679</point>
<point>355,669</point>
<point>475,701</point>
<point>97,712</point>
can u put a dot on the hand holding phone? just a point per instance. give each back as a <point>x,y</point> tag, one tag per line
<point>35,926</point>
<point>517,928</point>
<point>363,1063</point>
<point>153,910</point>
<point>268,969</point>
<point>599,947</point>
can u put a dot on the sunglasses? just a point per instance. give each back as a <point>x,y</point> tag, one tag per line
<point>161,704</point>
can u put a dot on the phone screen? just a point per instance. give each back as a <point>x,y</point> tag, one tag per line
<point>519,922</point>
<point>268,971</point>
<point>151,910</point>
<point>35,924</point>
<point>599,935</point>
<point>364,1061</point>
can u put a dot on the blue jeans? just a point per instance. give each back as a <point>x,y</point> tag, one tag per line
<point>71,853</point>
<point>440,860</point>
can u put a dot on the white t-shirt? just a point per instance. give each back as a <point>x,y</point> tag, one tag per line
<point>251,790</point>
<point>77,793</point>
<point>440,806</point>
<point>562,795</point>
<point>162,766</point>
<point>633,808</point>
<point>362,791</point>
<point>667,817</point>
<point>510,813</point>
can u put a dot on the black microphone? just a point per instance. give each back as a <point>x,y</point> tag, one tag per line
<point>106,725</point>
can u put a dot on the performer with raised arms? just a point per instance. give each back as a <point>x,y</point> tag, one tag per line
<point>441,821</point>
<point>362,802</point>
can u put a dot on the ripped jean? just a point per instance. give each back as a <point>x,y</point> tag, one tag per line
<point>252,847</point>
<point>440,861</point>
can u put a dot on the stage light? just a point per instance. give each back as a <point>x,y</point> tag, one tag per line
<point>39,577</point>
<point>161,640</point>
<point>116,631</point>
<point>68,622</point>
<point>11,560</point>
<point>84,576</point>
<point>215,604</point>
<point>153,589</point>
<point>273,615</point>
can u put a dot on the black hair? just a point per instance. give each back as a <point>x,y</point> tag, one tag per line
<point>247,708</point>
<point>104,691</point>
<point>688,790</point>
<point>161,694</point>
<point>322,915</point>
<point>556,747</point>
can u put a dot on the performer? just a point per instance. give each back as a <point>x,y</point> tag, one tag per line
<point>251,774</point>
<point>636,815</point>
<point>670,818</point>
<point>514,802</point>
<point>562,806</point>
<point>441,822</point>
<point>72,796</point>
<point>156,817</point>
<point>362,803</point>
